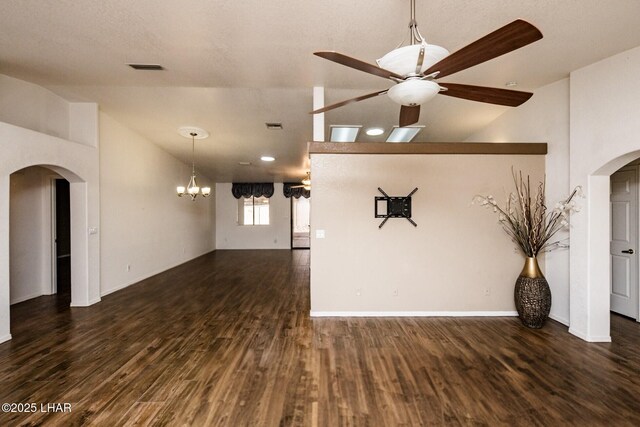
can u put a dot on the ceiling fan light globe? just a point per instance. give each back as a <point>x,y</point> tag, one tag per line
<point>413,92</point>
<point>403,60</point>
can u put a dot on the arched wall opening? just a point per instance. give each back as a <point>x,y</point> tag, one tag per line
<point>78,164</point>
<point>39,204</point>
<point>596,240</point>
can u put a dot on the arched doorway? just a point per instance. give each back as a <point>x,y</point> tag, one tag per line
<point>590,256</point>
<point>80,234</point>
<point>40,236</point>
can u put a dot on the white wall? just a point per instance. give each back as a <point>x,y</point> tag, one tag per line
<point>544,118</point>
<point>30,233</point>
<point>442,266</point>
<point>605,135</point>
<point>230,235</point>
<point>26,139</point>
<point>32,107</point>
<point>144,224</point>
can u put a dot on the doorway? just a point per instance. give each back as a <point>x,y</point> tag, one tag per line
<point>61,282</point>
<point>624,213</point>
<point>300,222</point>
<point>39,235</point>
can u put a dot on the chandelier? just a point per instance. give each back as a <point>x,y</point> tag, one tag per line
<point>192,189</point>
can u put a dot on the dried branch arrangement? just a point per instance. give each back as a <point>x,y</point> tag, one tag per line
<point>526,219</point>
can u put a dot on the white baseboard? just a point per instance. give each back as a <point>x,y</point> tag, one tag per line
<point>5,338</point>
<point>91,302</point>
<point>562,320</point>
<point>25,298</point>
<point>413,313</point>
<point>589,338</point>
<point>147,275</point>
<point>121,287</point>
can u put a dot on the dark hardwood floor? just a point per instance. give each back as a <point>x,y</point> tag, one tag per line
<point>227,340</point>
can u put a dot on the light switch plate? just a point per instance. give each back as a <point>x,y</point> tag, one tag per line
<point>93,230</point>
<point>319,234</point>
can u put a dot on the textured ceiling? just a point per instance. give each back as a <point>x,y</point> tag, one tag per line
<point>233,65</point>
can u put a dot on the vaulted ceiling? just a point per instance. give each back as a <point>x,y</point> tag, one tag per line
<point>231,66</point>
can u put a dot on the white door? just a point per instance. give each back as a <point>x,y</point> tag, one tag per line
<point>624,242</point>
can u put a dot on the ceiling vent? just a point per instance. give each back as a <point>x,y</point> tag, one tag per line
<point>274,126</point>
<point>146,67</point>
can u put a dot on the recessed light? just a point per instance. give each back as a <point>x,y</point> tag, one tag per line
<point>375,131</point>
<point>267,158</point>
<point>274,125</point>
<point>244,163</point>
<point>146,67</point>
<point>511,84</point>
<point>344,133</point>
<point>404,134</point>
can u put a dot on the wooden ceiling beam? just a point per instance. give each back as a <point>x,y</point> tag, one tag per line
<point>500,148</point>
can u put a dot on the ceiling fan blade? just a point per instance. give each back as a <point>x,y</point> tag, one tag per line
<point>349,101</point>
<point>297,186</point>
<point>512,36</point>
<point>491,95</point>
<point>409,115</point>
<point>357,64</point>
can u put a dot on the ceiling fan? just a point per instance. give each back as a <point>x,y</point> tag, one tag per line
<point>306,183</point>
<point>415,67</point>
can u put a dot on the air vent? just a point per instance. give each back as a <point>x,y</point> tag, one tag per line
<point>244,163</point>
<point>146,67</point>
<point>274,126</point>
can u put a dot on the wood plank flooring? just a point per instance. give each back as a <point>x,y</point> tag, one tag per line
<point>226,340</point>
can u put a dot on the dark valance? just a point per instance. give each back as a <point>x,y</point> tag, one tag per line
<point>295,192</point>
<point>255,189</point>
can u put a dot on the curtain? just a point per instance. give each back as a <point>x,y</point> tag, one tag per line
<point>295,192</point>
<point>255,189</point>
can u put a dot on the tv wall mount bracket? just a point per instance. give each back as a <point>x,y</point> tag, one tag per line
<point>396,207</point>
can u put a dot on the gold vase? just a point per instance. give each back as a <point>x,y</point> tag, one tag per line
<point>532,295</point>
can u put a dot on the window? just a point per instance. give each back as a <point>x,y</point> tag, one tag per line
<point>253,211</point>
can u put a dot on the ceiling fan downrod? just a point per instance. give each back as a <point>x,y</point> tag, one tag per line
<point>414,33</point>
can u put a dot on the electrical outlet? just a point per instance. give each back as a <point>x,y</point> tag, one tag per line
<point>395,292</point>
<point>487,292</point>
<point>128,267</point>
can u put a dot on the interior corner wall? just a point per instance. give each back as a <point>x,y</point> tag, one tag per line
<point>605,135</point>
<point>30,234</point>
<point>146,228</point>
<point>544,118</point>
<point>457,261</point>
<point>230,235</point>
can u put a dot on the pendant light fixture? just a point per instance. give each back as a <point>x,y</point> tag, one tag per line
<point>192,189</point>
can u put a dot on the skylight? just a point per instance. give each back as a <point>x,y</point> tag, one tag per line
<point>405,134</point>
<point>344,133</point>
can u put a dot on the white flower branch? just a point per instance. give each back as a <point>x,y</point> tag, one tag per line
<point>526,219</point>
